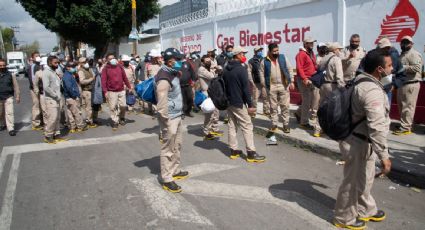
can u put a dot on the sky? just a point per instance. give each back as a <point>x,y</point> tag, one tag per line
<point>13,14</point>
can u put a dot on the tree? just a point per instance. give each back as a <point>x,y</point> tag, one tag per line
<point>8,35</point>
<point>96,22</point>
<point>31,48</point>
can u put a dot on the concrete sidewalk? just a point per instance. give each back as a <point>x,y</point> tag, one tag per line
<point>407,152</point>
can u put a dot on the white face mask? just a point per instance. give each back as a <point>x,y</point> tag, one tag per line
<point>113,62</point>
<point>86,66</point>
<point>387,79</point>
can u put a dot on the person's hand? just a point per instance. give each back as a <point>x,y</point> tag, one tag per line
<point>252,111</point>
<point>386,166</point>
<point>291,86</point>
<point>306,82</point>
<point>18,100</point>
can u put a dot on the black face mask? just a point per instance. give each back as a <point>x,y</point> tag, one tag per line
<point>3,70</point>
<point>208,65</point>
<point>354,46</point>
<point>126,64</point>
<point>405,47</point>
<point>275,55</point>
<point>309,49</point>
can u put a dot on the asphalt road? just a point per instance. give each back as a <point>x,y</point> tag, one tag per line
<point>102,179</point>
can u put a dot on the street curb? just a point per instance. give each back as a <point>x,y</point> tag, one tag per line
<point>397,174</point>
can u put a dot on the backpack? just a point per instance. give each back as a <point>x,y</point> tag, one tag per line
<point>334,112</point>
<point>319,77</point>
<point>217,93</point>
<point>146,90</point>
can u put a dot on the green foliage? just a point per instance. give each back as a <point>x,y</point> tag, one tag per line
<point>96,22</point>
<point>30,48</point>
<point>8,34</point>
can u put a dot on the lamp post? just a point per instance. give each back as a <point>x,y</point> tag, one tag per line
<point>133,24</point>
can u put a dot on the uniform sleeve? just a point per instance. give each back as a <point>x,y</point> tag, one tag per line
<point>415,64</point>
<point>16,87</point>
<point>377,121</point>
<point>261,71</point>
<point>46,87</point>
<point>83,79</point>
<point>162,89</point>
<point>339,73</point>
<point>290,70</point>
<point>36,80</point>
<point>205,74</point>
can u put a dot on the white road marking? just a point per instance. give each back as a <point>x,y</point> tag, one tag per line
<point>19,149</point>
<point>167,205</point>
<point>182,210</point>
<point>288,200</point>
<point>7,207</point>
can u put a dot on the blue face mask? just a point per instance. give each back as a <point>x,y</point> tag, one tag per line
<point>229,54</point>
<point>113,62</point>
<point>72,70</point>
<point>259,54</point>
<point>177,65</point>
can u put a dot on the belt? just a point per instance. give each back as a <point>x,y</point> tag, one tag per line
<point>362,137</point>
<point>410,82</point>
<point>330,82</point>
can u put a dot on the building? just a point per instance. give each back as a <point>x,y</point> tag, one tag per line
<point>181,8</point>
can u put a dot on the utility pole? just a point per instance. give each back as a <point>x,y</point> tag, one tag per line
<point>134,24</point>
<point>2,50</point>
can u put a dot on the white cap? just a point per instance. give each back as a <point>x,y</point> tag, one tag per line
<point>155,53</point>
<point>125,57</point>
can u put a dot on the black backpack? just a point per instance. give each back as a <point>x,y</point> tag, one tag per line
<point>334,113</point>
<point>217,93</point>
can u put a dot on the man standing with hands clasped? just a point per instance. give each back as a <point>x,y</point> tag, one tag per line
<point>240,108</point>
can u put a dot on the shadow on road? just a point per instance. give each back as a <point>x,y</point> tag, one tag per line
<point>305,195</point>
<point>153,164</point>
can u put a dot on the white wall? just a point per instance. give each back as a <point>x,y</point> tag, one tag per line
<point>288,22</point>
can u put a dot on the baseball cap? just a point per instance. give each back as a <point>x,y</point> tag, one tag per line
<point>238,50</point>
<point>321,44</point>
<point>407,38</point>
<point>334,45</point>
<point>384,42</point>
<point>82,59</point>
<point>257,48</point>
<point>309,39</point>
<point>172,53</point>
